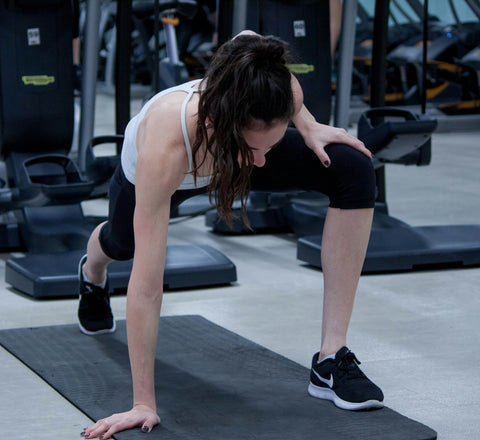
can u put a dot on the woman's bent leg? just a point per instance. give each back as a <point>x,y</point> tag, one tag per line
<point>344,244</point>
<point>349,182</point>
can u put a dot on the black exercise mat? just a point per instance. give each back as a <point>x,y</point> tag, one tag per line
<point>211,385</point>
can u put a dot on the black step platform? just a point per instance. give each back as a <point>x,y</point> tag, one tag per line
<point>55,275</point>
<point>409,248</point>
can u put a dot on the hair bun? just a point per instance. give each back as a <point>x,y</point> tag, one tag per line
<point>269,50</point>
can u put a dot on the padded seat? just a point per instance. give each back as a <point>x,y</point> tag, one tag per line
<point>393,140</point>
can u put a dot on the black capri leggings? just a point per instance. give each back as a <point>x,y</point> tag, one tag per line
<point>349,182</point>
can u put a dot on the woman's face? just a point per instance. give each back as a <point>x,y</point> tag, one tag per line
<point>261,139</point>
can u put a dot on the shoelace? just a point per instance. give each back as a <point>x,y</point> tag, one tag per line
<point>349,363</point>
<point>96,304</point>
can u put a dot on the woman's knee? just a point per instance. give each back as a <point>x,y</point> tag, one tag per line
<point>119,250</point>
<point>352,176</point>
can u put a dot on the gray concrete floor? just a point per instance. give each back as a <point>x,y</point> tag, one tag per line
<point>417,334</point>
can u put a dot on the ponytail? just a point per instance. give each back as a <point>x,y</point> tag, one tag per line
<point>248,79</point>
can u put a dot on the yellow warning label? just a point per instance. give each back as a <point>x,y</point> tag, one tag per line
<point>38,80</point>
<point>301,68</point>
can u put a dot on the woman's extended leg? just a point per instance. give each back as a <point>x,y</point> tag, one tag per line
<point>95,267</point>
<point>113,238</point>
<point>94,313</point>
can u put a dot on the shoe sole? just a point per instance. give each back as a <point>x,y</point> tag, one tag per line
<point>98,332</point>
<point>328,394</point>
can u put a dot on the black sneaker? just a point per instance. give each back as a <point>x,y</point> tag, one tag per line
<point>341,381</point>
<point>94,312</point>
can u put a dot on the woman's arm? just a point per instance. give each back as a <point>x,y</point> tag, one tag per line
<point>317,136</point>
<point>160,170</point>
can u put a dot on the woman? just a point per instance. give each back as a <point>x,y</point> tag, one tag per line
<point>226,134</point>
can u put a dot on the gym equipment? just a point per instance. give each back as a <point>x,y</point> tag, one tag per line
<point>172,71</point>
<point>393,140</point>
<point>43,185</point>
<point>406,24</point>
<point>36,90</point>
<point>200,360</point>
<point>466,73</point>
<point>394,245</point>
<point>446,44</point>
<point>157,59</point>
<point>47,276</point>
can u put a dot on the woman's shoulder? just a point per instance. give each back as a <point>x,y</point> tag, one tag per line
<point>176,93</point>
<point>167,106</point>
<point>161,150</point>
<point>165,113</point>
<point>160,135</point>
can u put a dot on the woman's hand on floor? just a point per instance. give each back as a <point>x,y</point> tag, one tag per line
<point>139,415</point>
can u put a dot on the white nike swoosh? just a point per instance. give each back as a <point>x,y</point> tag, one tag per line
<point>329,382</point>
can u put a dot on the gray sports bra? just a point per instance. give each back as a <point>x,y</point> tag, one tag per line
<point>129,150</point>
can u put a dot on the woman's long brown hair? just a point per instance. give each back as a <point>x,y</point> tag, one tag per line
<point>247,80</point>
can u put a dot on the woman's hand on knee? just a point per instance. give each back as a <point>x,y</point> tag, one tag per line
<point>139,416</point>
<point>323,135</point>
